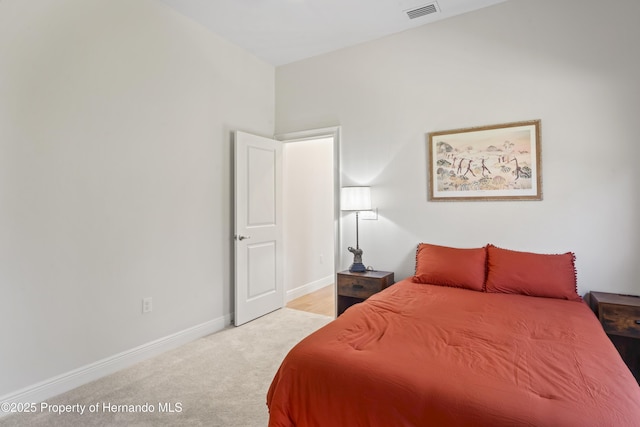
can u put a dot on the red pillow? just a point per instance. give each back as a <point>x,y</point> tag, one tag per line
<point>441,265</point>
<point>539,275</point>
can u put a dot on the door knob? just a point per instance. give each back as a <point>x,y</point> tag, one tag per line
<point>243,237</point>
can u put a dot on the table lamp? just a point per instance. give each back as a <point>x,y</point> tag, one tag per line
<point>356,199</point>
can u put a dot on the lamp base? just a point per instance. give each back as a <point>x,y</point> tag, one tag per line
<point>357,267</point>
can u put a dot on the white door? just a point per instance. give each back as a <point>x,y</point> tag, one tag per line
<point>259,285</point>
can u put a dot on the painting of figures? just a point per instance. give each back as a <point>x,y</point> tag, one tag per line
<point>486,163</point>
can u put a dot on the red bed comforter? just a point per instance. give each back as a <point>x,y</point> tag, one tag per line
<point>423,355</point>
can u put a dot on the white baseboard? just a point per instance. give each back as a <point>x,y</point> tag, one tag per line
<point>62,383</point>
<point>309,287</point>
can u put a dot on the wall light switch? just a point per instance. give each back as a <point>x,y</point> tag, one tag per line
<point>372,214</point>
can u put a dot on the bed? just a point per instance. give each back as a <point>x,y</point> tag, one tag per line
<point>477,337</point>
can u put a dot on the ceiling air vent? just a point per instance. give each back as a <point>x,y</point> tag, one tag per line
<point>422,11</point>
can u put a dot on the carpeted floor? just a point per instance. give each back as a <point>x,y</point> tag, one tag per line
<point>218,380</point>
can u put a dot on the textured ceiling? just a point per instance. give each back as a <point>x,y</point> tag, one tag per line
<point>284,31</point>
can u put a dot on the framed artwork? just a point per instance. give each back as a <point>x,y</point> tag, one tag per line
<point>497,162</point>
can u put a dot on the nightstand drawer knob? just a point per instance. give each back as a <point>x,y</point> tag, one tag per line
<point>362,287</point>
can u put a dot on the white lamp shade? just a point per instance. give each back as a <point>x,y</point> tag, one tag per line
<point>355,199</point>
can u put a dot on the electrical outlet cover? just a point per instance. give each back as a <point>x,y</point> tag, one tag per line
<point>147,305</point>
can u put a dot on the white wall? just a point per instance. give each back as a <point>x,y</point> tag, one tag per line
<point>115,177</point>
<point>308,215</point>
<point>573,64</point>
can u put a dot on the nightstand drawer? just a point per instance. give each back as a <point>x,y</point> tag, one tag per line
<point>621,320</point>
<point>619,316</point>
<point>358,287</point>
<point>355,287</point>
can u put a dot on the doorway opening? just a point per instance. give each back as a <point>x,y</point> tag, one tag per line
<point>310,221</point>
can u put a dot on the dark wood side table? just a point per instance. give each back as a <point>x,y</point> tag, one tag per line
<point>620,318</point>
<point>357,287</point>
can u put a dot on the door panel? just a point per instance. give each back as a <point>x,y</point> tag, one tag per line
<point>261,176</point>
<point>262,270</point>
<point>259,286</point>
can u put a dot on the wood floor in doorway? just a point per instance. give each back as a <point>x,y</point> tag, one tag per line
<point>321,301</point>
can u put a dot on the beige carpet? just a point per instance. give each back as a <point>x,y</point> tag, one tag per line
<point>218,380</point>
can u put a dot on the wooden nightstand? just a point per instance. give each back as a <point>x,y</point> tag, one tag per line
<point>620,318</point>
<point>357,287</point>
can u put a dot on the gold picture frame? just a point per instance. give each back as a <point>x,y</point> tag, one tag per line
<point>497,162</point>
